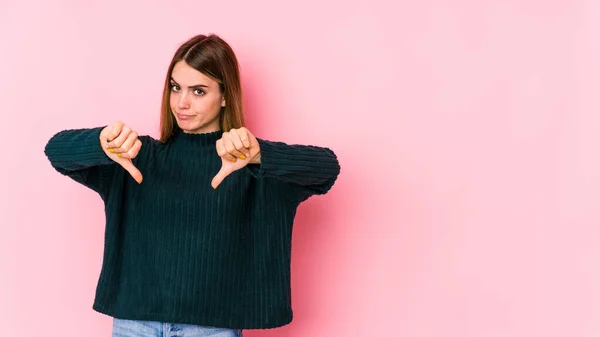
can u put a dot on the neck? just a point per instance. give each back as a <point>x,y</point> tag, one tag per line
<point>197,139</point>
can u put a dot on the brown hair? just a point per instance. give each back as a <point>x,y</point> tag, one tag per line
<point>213,57</point>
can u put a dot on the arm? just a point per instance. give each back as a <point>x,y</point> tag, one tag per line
<point>306,169</point>
<point>77,154</point>
<point>310,169</point>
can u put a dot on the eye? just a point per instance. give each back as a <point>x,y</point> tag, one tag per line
<point>175,87</point>
<point>198,92</point>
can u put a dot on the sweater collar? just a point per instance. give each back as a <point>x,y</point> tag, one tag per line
<point>197,139</point>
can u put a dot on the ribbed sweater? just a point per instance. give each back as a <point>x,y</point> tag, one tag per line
<point>175,249</point>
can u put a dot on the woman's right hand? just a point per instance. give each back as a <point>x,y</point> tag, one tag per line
<point>121,144</point>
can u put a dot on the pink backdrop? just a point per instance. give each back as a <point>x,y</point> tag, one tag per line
<point>467,132</point>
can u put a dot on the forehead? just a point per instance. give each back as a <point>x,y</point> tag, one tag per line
<point>185,75</point>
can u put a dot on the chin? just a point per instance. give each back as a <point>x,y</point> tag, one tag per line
<point>187,128</point>
<point>193,128</point>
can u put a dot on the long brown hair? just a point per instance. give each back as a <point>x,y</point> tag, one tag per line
<point>213,57</point>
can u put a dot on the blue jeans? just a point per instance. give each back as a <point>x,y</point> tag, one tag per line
<point>133,328</point>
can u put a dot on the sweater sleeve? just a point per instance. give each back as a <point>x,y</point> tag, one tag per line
<point>76,153</point>
<point>308,169</point>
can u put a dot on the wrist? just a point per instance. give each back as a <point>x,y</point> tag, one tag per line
<point>255,159</point>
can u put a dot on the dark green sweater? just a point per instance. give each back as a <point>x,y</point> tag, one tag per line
<point>178,251</point>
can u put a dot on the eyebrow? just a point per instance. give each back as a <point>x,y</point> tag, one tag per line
<point>191,86</point>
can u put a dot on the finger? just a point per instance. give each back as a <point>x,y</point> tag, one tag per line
<point>222,151</point>
<point>117,142</point>
<point>129,142</point>
<point>133,152</point>
<point>116,130</point>
<point>110,132</point>
<point>222,174</point>
<point>133,171</point>
<point>230,147</point>
<point>239,145</point>
<point>254,145</point>
<point>245,138</point>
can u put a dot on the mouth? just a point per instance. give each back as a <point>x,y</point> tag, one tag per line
<point>182,116</point>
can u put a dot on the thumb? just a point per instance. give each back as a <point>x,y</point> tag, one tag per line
<point>222,174</point>
<point>135,173</point>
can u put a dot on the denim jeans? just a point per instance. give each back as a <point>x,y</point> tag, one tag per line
<point>133,328</point>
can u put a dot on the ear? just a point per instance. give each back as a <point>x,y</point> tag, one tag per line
<point>223,102</point>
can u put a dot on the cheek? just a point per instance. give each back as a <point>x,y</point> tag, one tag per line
<point>206,105</point>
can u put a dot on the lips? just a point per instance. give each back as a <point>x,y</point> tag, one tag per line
<point>184,116</point>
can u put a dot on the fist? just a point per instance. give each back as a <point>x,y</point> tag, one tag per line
<point>121,144</point>
<point>237,148</point>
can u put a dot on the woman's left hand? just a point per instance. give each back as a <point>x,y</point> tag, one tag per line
<point>237,148</point>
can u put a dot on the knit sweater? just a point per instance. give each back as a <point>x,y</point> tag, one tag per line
<point>175,249</point>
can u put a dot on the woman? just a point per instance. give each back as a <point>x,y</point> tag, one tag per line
<point>198,223</point>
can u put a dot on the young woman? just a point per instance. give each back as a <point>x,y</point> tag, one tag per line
<point>198,223</point>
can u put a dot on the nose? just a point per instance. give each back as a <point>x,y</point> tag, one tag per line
<point>182,101</point>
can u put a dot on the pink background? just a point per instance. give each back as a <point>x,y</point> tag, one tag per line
<point>467,132</point>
